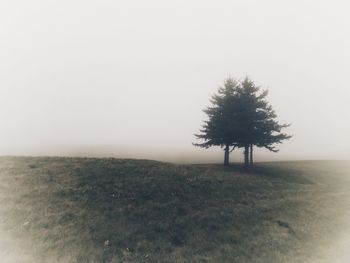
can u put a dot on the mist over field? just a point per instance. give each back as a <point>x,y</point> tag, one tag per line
<point>165,154</point>
<point>138,74</point>
<point>112,114</point>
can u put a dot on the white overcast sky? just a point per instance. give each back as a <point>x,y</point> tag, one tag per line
<point>140,72</point>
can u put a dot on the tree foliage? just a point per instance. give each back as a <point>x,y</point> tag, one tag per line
<point>240,116</point>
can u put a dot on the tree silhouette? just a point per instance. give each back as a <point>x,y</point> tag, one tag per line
<point>221,128</point>
<point>241,117</point>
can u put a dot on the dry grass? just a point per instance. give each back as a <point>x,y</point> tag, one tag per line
<point>114,210</point>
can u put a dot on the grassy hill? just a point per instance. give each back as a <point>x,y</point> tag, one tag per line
<point>115,210</point>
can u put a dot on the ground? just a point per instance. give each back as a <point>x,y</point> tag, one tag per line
<point>115,210</point>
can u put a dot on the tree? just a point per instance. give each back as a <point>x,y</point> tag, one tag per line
<point>221,128</point>
<point>241,117</point>
<point>258,121</point>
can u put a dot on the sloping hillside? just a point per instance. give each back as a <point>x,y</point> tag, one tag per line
<point>115,210</point>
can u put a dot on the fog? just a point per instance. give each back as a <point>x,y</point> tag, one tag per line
<point>131,78</point>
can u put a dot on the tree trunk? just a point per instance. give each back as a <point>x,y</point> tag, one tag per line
<point>246,156</point>
<point>227,156</point>
<point>251,155</point>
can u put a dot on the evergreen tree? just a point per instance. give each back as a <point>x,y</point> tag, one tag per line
<point>258,121</point>
<point>241,117</point>
<point>221,128</point>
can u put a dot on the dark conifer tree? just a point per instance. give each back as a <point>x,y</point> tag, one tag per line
<point>221,128</point>
<point>257,120</point>
<point>241,117</point>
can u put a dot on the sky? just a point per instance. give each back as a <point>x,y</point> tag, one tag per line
<point>139,73</point>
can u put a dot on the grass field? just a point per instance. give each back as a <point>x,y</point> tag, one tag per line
<point>115,210</point>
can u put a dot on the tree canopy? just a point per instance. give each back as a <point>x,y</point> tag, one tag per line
<point>240,116</point>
